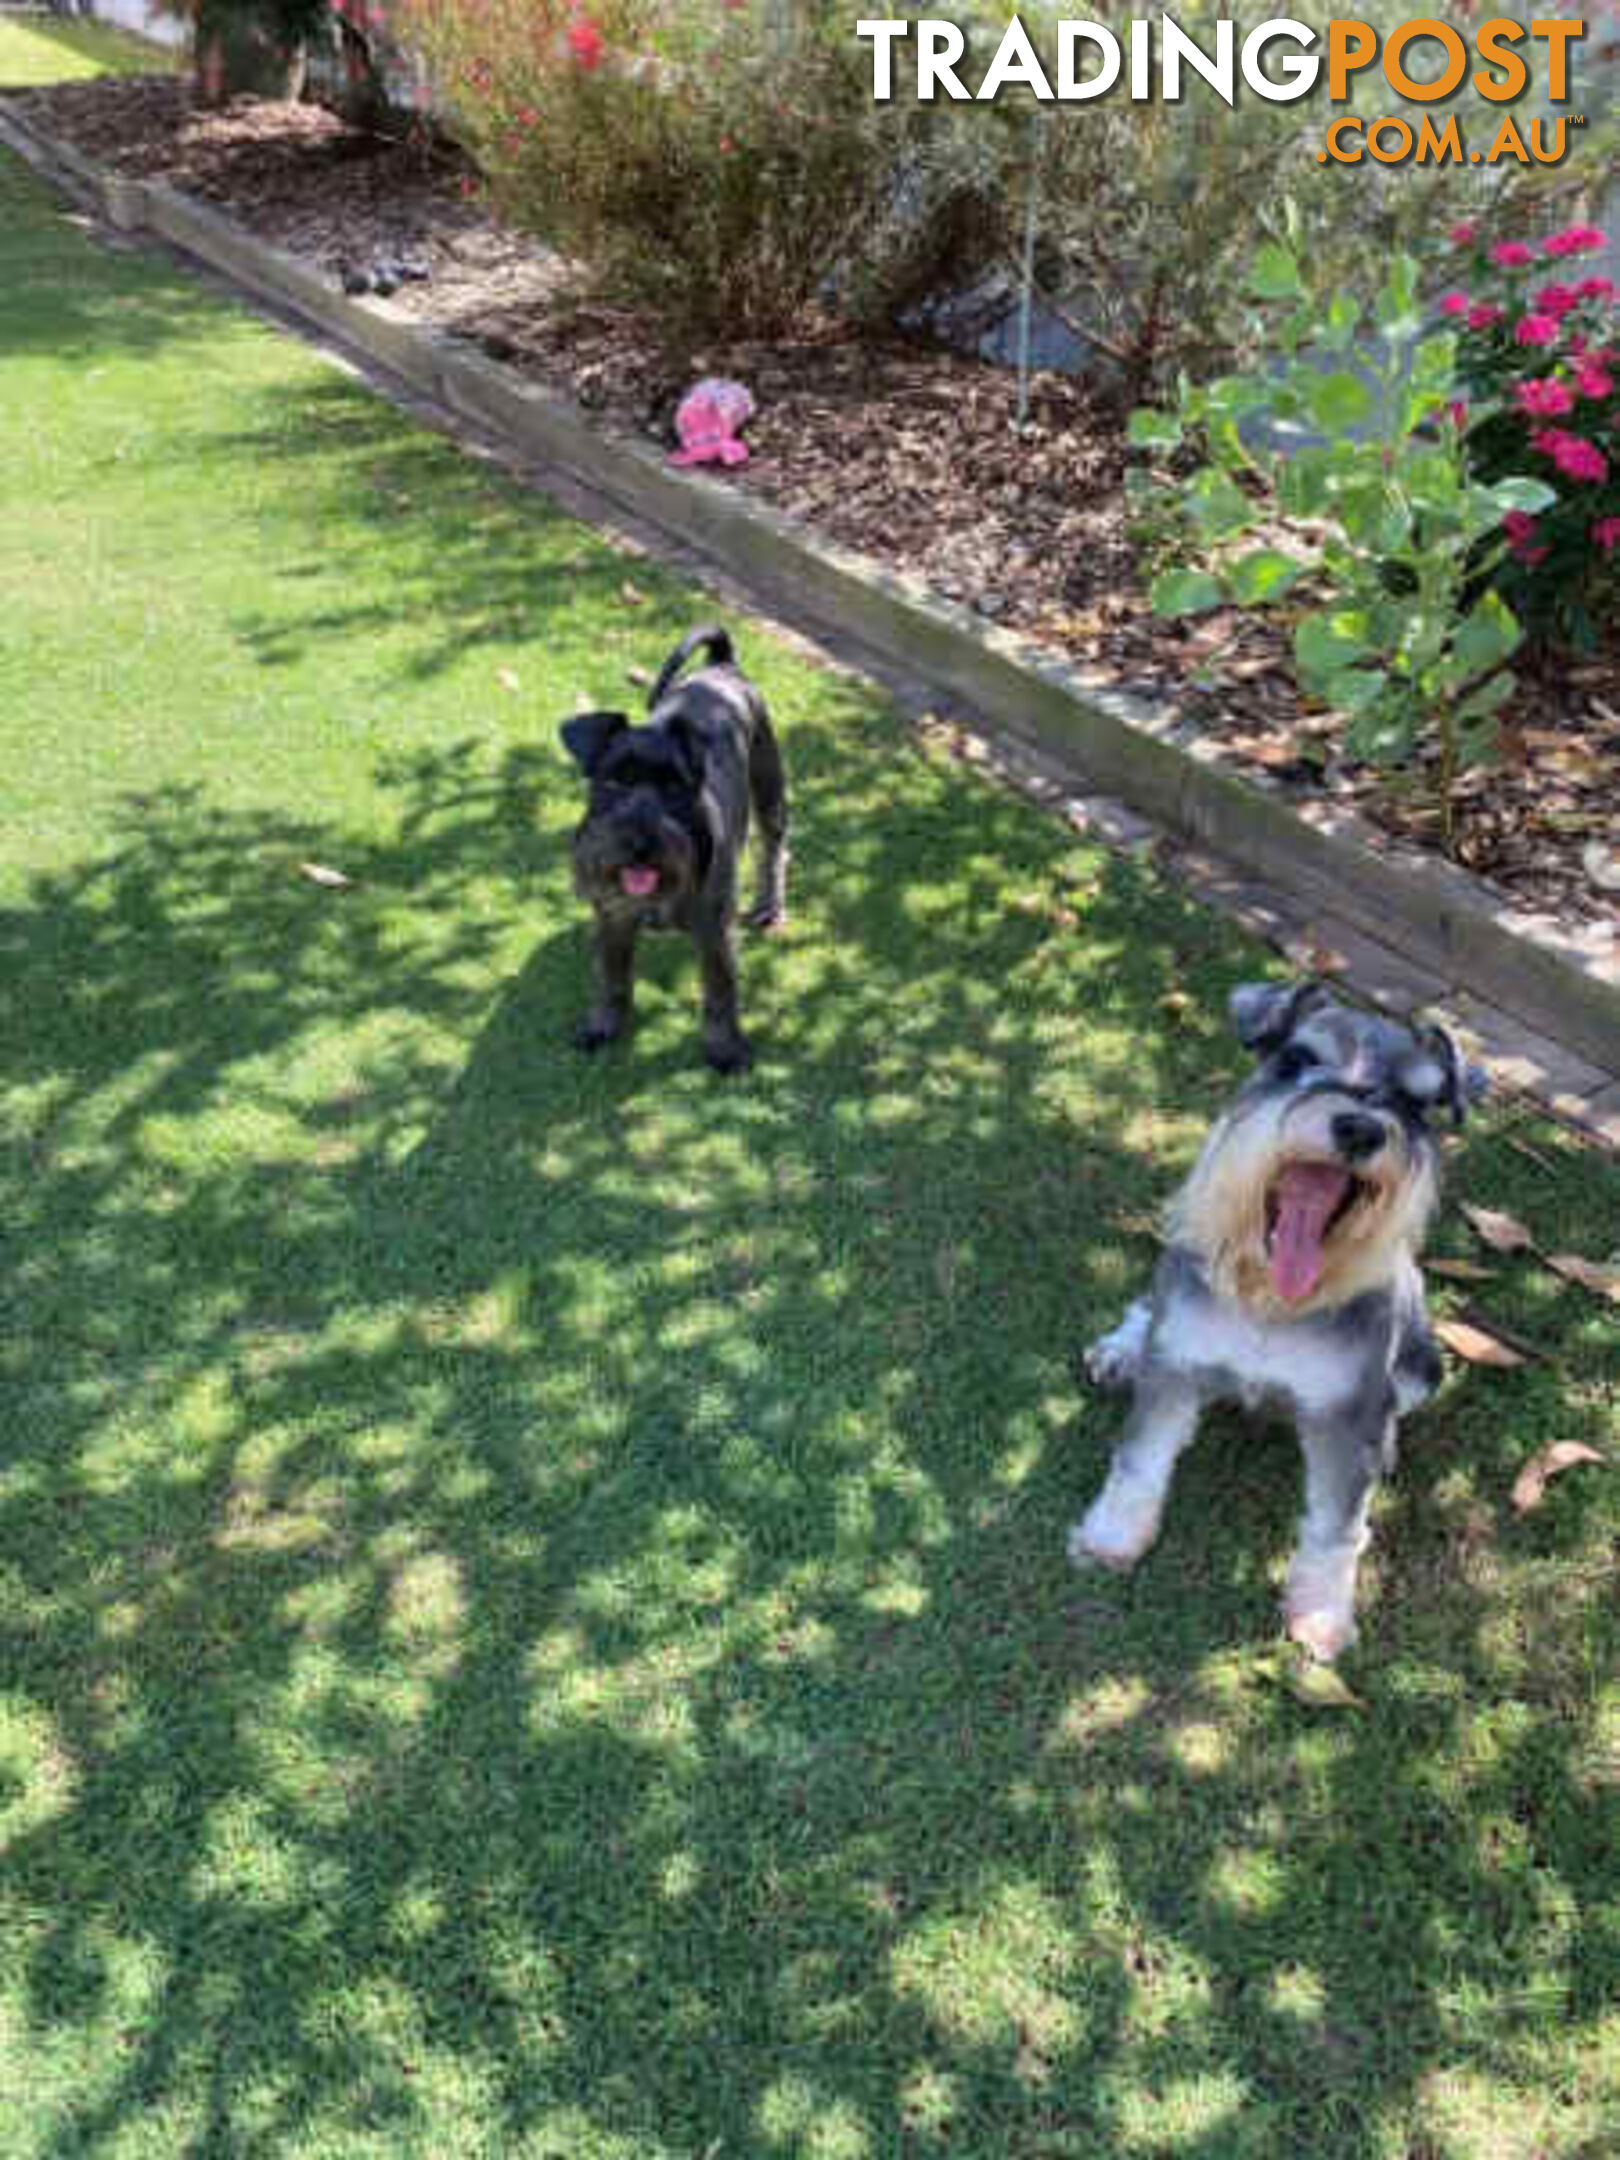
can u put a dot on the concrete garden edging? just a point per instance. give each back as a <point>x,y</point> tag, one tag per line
<point>1562,985</point>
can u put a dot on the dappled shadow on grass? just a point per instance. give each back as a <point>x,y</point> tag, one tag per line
<point>128,308</point>
<point>536,1585</point>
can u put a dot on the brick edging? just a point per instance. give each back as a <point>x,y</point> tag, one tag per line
<point>1449,922</point>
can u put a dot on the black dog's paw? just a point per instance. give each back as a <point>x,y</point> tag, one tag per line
<point>766,915</point>
<point>593,1035</point>
<point>732,1055</point>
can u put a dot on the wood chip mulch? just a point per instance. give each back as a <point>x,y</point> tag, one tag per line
<point>900,450</point>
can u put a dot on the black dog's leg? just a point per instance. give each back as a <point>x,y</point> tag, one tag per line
<point>1342,1461</point>
<point>767,786</point>
<point>613,972</point>
<point>724,1044</point>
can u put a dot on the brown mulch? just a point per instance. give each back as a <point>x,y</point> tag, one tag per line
<point>901,450</point>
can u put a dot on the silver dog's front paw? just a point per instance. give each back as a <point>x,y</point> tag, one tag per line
<point>1320,1604</point>
<point>1115,1359</point>
<point>1113,1533</point>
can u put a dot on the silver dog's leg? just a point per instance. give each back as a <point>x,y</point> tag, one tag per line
<point>1115,1359</point>
<point>1341,1469</point>
<point>1123,1520</point>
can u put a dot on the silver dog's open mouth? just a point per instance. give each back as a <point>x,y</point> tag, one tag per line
<point>1306,1203</point>
<point>639,880</point>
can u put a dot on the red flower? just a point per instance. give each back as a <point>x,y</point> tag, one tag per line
<point>1511,254</point>
<point>1593,380</point>
<point>1460,235</point>
<point>1454,303</point>
<point>1581,460</point>
<point>1546,397</point>
<point>1537,330</point>
<point>1484,315</point>
<point>1575,240</point>
<point>586,42</point>
<point>1556,301</point>
<point>1606,534</point>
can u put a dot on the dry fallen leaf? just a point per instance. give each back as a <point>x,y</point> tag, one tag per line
<point>640,676</point>
<point>1531,1482</point>
<point>1461,1270</point>
<point>508,678</point>
<point>320,874</point>
<point>1591,1274</point>
<point>1475,1344</point>
<point>1503,1233</point>
<point>631,595</point>
<point>1320,1687</point>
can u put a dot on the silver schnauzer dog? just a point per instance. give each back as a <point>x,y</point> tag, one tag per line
<point>1290,1282</point>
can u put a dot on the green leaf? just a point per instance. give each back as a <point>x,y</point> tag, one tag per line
<point>1358,690</point>
<point>1184,592</point>
<point>1150,429</point>
<point>1522,494</point>
<point>1328,642</point>
<point>1343,318</point>
<point>1434,364</point>
<point>1488,633</point>
<point>1274,274</point>
<point>1266,574</point>
<point>1304,486</point>
<point>1219,506</point>
<point>1339,401</point>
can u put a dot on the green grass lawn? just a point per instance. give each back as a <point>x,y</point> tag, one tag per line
<point>58,48</point>
<point>533,1616</point>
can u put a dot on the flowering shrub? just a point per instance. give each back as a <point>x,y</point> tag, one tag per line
<point>1539,352</point>
<point>1345,457</point>
<point>716,159</point>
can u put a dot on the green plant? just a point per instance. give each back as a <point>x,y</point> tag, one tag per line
<point>719,164</point>
<point>1343,456</point>
<point>1539,350</point>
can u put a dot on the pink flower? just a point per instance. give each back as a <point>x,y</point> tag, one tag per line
<point>1606,534</point>
<point>1511,254</point>
<point>1454,303</point>
<point>1595,288</point>
<point>586,42</point>
<point>1581,460</point>
<point>1537,330</point>
<point>1458,411</point>
<point>1555,300</point>
<point>1575,240</point>
<point>1546,397</point>
<point>1460,235</point>
<point>1484,315</point>
<point>1593,381</point>
<point>1518,525</point>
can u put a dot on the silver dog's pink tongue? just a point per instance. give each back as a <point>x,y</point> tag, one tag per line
<point>638,880</point>
<point>1306,1195</point>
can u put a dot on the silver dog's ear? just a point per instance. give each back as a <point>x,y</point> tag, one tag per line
<point>1266,1014</point>
<point>587,736</point>
<point>1460,1083</point>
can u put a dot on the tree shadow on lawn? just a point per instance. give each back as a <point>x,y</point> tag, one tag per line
<point>129,307</point>
<point>536,1585</point>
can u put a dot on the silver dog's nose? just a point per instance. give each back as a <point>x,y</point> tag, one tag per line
<point>1357,1134</point>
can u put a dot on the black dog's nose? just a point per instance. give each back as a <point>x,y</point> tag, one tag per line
<point>1357,1134</point>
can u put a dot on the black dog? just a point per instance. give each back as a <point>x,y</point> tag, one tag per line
<point>663,834</point>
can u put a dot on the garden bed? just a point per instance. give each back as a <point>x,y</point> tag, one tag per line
<point>901,450</point>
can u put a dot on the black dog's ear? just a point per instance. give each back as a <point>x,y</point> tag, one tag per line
<point>588,735</point>
<point>1460,1083</point>
<point>1266,1014</point>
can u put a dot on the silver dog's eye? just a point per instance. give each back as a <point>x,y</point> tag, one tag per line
<point>1422,1079</point>
<point>1295,1060</point>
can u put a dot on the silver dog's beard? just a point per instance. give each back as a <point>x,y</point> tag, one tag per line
<point>1283,1223</point>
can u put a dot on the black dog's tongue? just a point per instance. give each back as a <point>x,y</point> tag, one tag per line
<point>638,880</point>
<point>1306,1195</point>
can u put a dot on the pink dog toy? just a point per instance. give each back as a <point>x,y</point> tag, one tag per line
<point>707,420</point>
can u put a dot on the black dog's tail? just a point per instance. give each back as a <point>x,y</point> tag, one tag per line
<point>709,638</point>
